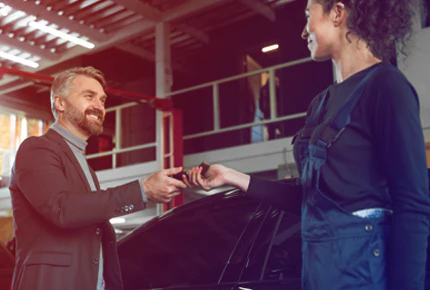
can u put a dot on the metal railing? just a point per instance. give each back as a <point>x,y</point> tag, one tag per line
<point>215,99</point>
<point>118,147</point>
<point>214,85</point>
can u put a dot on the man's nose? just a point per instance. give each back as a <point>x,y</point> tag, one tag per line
<point>98,104</point>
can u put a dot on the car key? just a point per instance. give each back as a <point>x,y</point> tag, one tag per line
<point>205,167</point>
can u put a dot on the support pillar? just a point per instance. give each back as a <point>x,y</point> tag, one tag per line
<point>164,81</point>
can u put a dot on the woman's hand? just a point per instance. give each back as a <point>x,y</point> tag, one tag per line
<point>214,177</point>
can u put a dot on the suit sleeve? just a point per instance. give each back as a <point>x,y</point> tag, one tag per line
<point>285,195</point>
<point>38,174</point>
<point>400,143</point>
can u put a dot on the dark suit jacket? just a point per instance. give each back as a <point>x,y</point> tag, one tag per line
<point>60,223</point>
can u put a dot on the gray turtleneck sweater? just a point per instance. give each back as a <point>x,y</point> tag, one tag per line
<point>77,145</point>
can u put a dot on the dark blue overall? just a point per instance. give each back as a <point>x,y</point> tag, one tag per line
<point>340,250</point>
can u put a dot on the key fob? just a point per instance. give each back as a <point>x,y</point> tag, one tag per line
<point>205,167</point>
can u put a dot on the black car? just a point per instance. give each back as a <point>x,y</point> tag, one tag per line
<point>224,241</point>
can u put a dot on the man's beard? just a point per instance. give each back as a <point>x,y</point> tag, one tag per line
<point>82,122</point>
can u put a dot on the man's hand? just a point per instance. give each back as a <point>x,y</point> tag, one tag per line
<point>161,188</point>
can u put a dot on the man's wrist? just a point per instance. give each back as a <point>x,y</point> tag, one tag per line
<point>142,189</point>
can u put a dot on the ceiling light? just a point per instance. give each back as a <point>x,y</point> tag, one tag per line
<point>18,59</point>
<point>61,34</point>
<point>270,48</point>
<point>117,220</point>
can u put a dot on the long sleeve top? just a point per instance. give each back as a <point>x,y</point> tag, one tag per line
<point>379,161</point>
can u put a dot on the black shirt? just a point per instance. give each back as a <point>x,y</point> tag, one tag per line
<point>379,161</point>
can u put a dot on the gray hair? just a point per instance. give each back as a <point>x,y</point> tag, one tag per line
<point>61,84</point>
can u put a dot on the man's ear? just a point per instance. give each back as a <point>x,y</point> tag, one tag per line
<point>59,103</point>
<point>339,13</point>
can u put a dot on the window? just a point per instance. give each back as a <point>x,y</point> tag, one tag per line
<point>13,130</point>
<point>276,254</point>
<point>239,257</point>
<point>260,248</point>
<point>285,256</point>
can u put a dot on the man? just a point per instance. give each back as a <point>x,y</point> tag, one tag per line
<point>64,238</point>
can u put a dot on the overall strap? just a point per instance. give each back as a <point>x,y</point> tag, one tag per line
<point>315,117</point>
<point>343,117</point>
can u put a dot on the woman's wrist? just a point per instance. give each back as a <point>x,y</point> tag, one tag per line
<point>237,179</point>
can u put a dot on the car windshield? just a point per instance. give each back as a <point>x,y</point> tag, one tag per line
<point>192,246</point>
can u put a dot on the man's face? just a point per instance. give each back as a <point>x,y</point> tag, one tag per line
<point>85,106</point>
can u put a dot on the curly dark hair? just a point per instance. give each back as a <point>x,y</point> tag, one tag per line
<point>381,23</point>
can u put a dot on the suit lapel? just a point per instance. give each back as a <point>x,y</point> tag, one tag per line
<point>53,135</point>
<point>95,178</point>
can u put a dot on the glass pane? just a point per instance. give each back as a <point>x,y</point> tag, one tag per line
<point>136,156</point>
<point>197,110</point>
<point>34,127</point>
<point>101,163</point>
<point>285,258</point>
<point>237,102</point>
<point>5,149</point>
<point>259,251</point>
<point>102,143</point>
<point>217,141</point>
<point>241,251</point>
<point>137,125</point>
<point>298,85</point>
<point>192,244</point>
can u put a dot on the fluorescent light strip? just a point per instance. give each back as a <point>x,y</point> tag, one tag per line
<point>18,59</point>
<point>117,220</point>
<point>270,48</point>
<point>61,34</point>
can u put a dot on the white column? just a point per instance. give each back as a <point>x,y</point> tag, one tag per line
<point>163,81</point>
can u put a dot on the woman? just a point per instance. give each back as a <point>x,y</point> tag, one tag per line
<point>363,185</point>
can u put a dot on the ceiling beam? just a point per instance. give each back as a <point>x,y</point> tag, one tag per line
<point>125,34</point>
<point>149,12</point>
<point>194,32</point>
<point>148,55</point>
<point>143,53</point>
<point>30,8</point>
<point>260,8</point>
<point>190,7</point>
<point>26,47</point>
<point>153,14</point>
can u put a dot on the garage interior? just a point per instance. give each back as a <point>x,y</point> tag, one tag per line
<point>191,52</point>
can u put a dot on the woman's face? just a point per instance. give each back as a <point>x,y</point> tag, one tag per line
<point>319,31</point>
